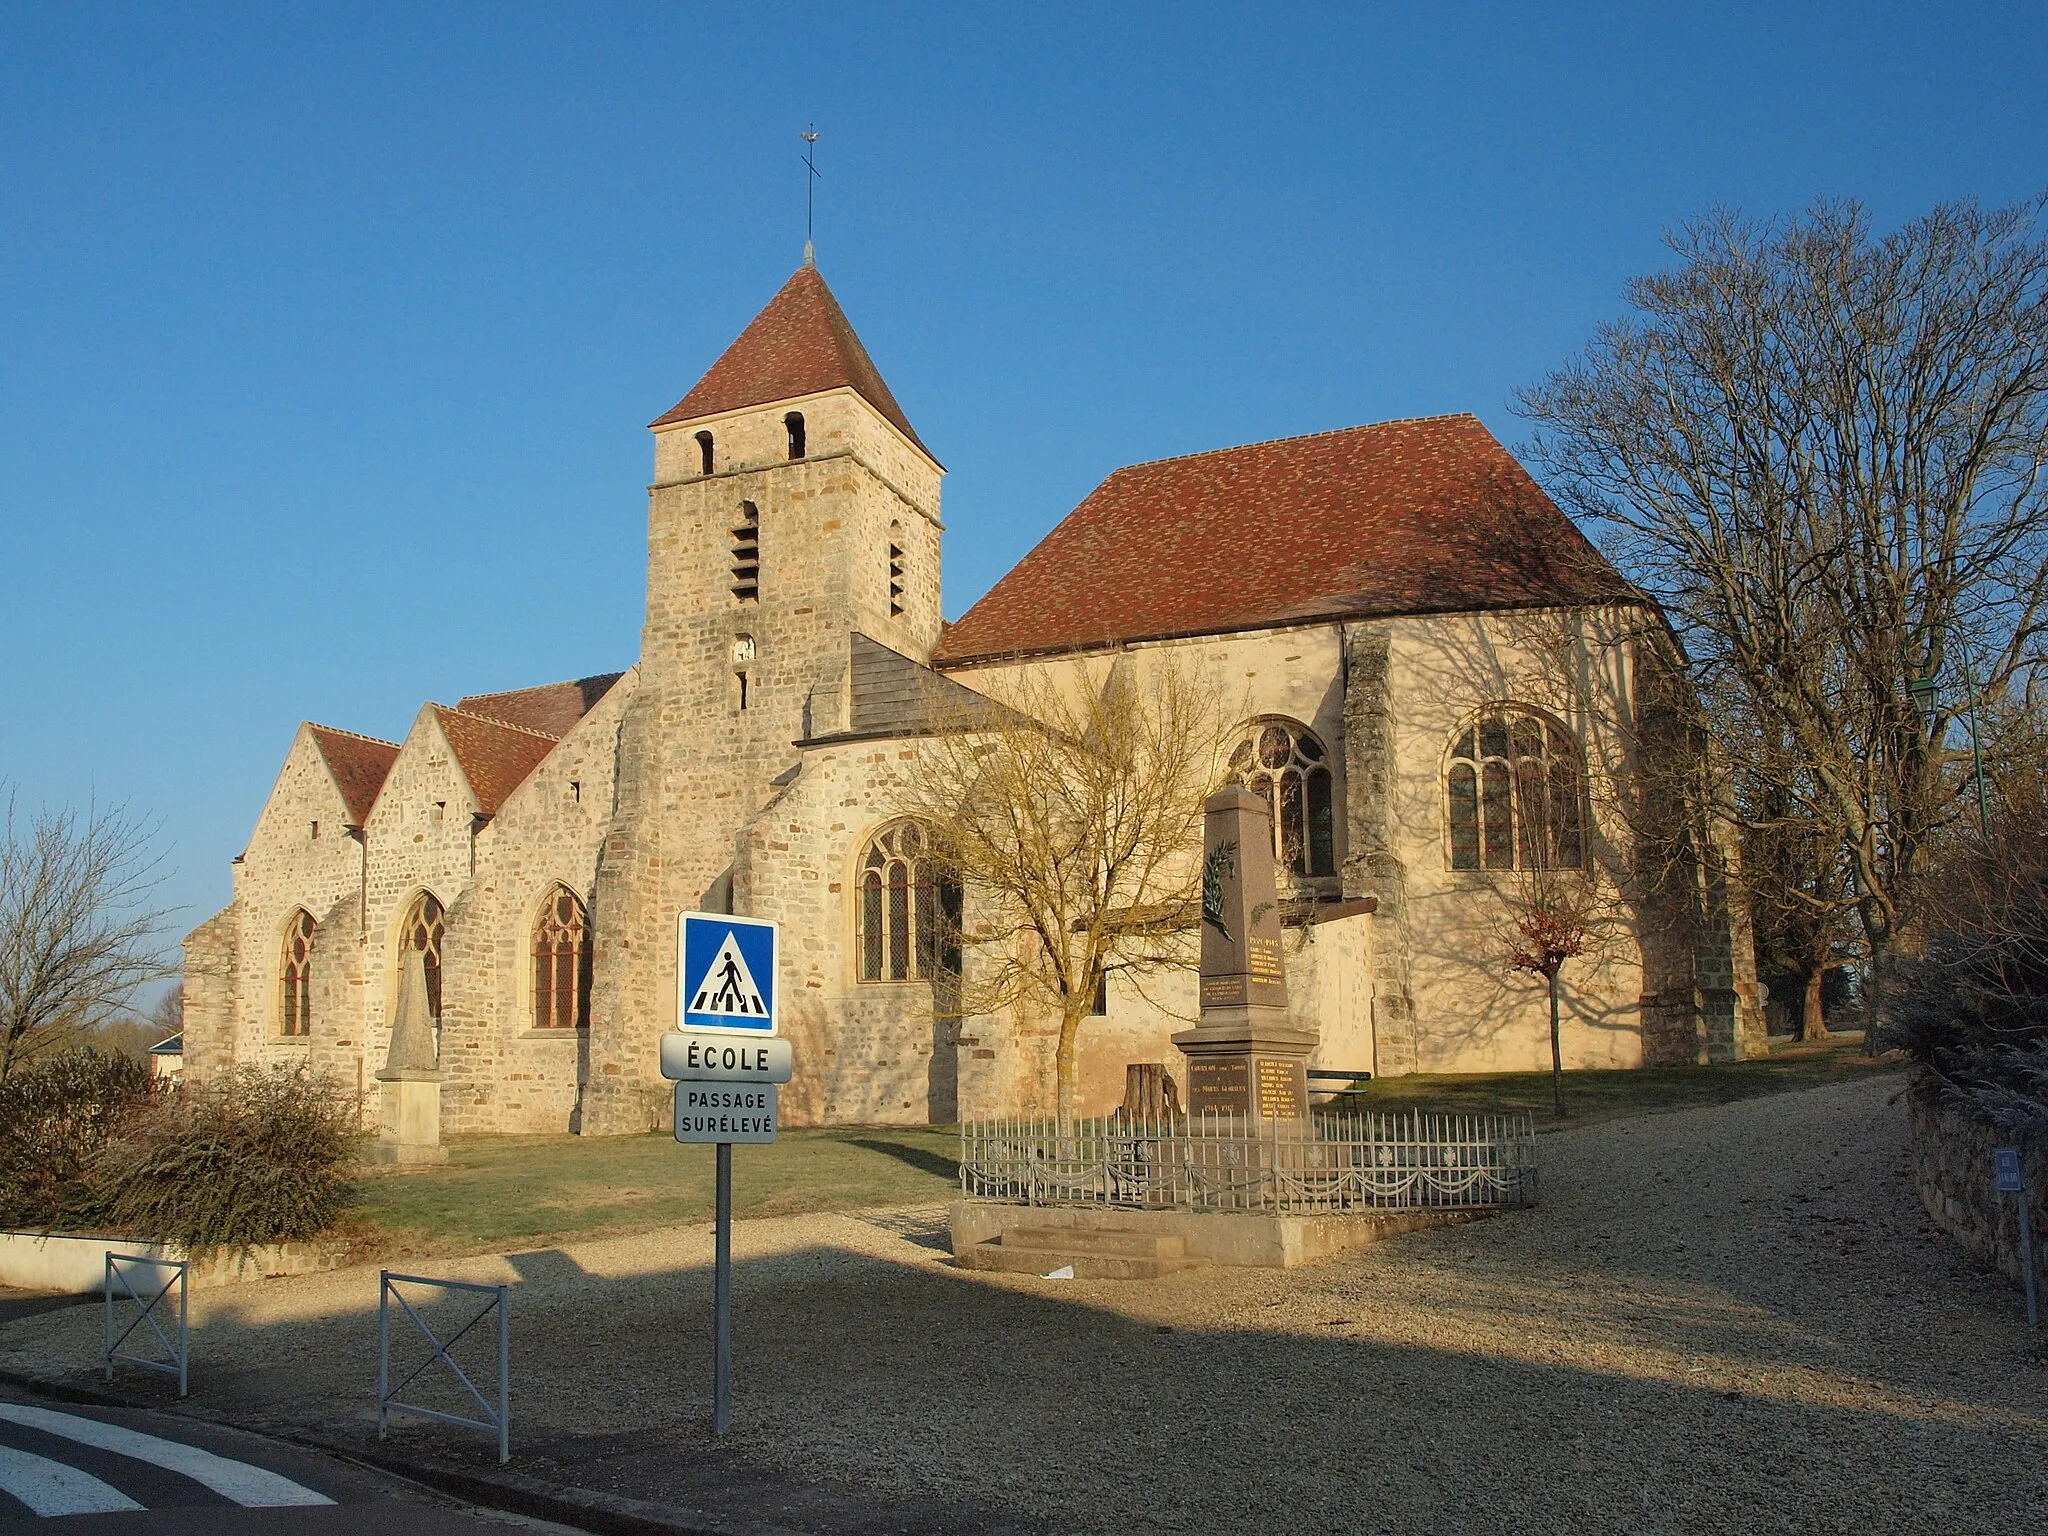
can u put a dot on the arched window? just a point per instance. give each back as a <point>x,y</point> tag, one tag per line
<point>1285,765</point>
<point>426,925</point>
<point>1513,793</point>
<point>908,910</point>
<point>561,963</point>
<point>794,423</point>
<point>295,1005</point>
<point>746,554</point>
<point>895,570</point>
<point>704,460</point>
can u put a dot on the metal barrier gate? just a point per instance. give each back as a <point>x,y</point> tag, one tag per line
<point>178,1355</point>
<point>497,1418</point>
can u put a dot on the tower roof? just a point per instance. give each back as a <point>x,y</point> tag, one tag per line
<point>801,344</point>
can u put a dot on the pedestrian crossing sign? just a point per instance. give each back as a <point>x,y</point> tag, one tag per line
<point>727,974</point>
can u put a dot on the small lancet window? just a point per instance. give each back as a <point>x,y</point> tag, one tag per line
<point>1513,795</point>
<point>295,1005</point>
<point>561,963</point>
<point>746,554</point>
<point>794,423</point>
<point>426,926</point>
<point>704,458</point>
<point>895,570</point>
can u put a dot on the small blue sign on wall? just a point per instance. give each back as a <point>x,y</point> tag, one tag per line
<point>726,974</point>
<point>2005,1161</point>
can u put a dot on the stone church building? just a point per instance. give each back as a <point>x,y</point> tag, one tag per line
<point>1436,676</point>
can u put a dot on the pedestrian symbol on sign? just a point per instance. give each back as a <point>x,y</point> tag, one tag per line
<point>726,974</point>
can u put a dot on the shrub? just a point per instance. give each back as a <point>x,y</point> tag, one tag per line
<point>1974,1007</point>
<point>264,1156</point>
<point>57,1118</point>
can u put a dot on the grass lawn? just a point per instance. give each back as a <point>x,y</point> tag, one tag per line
<point>1596,1096</point>
<point>499,1192</point>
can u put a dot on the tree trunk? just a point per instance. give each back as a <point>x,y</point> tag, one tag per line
<point>1066,1066</point>
<point>1813,1025</point>
<point>1556,1053</point>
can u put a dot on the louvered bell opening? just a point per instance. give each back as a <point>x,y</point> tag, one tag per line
<point>895,581</point>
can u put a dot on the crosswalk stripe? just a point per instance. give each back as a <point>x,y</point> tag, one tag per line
<point>50,1488</point>
<point>250,1487</point>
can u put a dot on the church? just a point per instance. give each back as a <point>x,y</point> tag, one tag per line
<point>1443,688</point>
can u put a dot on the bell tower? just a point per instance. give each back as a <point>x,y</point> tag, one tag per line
<point>792,506</point>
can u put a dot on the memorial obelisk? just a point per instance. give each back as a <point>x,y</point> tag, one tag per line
<point>1245,1057</point>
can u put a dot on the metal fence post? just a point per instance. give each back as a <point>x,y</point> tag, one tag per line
<point>383,1349</point>
<point>504,1377</point>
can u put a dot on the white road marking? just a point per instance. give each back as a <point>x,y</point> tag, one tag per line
<point>250,1487</point>
<point>51,1488</point>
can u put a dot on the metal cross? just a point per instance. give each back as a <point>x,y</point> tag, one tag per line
<point>810,138</point>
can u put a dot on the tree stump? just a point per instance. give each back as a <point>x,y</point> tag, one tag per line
<point>1149,1093</point>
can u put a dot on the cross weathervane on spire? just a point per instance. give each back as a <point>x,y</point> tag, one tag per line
<point>810,138</point>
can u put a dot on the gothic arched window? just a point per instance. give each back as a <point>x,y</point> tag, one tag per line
<point>1286,766</point>
<point>561,963</point>
<point>907,911</point>
<point>426,925</point>
<point>793,424</point>
<point>1513,792</point>
<point>704,456</point>
<point>295,973</point>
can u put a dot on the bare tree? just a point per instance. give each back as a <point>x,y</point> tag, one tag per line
<point>1555,914</point>
<point>1071,814</point>
<point>1823,451</point>
<point>76,931</point>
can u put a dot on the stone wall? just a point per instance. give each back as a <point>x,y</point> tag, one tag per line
<point>1951,1155</point>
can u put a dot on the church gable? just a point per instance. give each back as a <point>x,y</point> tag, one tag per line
<point>1405,517</point>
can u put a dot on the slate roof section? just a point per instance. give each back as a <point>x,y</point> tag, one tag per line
<point>494,757</point>
<point>1422,516</point>
<point>801,344</point>
<point>553,708</point>
<point>359,765</point>
<point>893,695</point>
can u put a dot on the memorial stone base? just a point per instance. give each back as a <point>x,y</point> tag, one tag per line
<point>409,1134</point>
<point>1252,1067</point>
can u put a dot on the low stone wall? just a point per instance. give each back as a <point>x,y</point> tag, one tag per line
<point>1951,1156</point>
<point>76,1266</point>
<point>1250,1240</point>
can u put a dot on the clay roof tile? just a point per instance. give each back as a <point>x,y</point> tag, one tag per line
<point>1420,516</point>
<point>552,707</point>
<point>495,757</point>
<point>801,344</point>
<point>358,763</point>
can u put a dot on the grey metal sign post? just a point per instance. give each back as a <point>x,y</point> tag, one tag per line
<point>725,1061</point>
<point>2006,1162</point>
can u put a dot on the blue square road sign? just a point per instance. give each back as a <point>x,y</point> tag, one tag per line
<point>726,974</point>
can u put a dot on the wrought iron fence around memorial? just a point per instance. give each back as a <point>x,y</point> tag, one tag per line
<point>1327,1164</point>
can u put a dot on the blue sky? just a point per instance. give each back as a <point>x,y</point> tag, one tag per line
<point>329,334</point>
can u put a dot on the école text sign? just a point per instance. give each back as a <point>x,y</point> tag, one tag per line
<point>727,1112</point>
<point>725,974</point>
<point>725,1059</point>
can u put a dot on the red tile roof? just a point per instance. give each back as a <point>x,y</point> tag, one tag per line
<point>358,763</point>
<point>1422,516</point>
<point>552,707</point>
<point>494,757</point>
<point>801,344</point>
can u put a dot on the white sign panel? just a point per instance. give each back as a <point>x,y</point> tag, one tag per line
<point>725,1059</point>
<point>726,974</point>
<point>730,1112</point>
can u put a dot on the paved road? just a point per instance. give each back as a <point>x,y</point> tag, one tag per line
<point>134,1473</point>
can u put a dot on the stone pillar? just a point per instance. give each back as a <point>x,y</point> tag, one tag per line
<point>1370,865</point>
<point>1245,1057</point>
<point>409,1099</point>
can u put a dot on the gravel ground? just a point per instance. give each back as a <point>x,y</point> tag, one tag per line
<point>1724,1319</point>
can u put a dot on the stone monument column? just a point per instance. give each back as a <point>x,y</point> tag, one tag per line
<point>409,1102</point>
<point>1244,1057</point>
